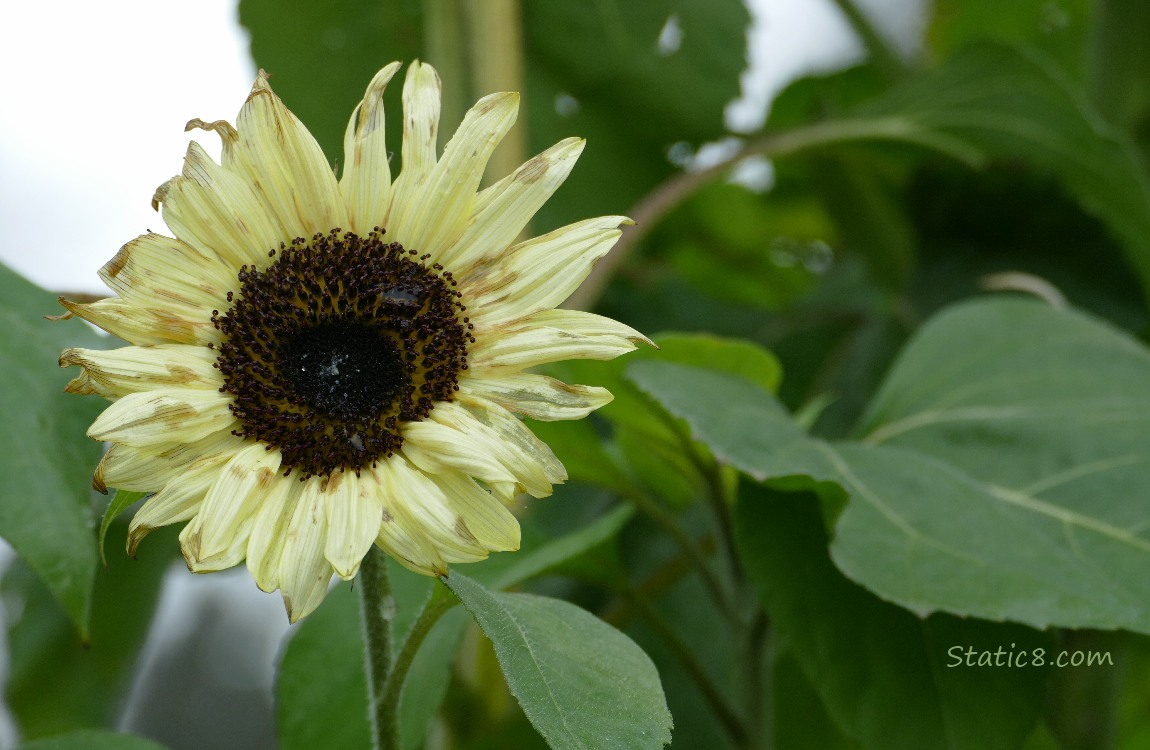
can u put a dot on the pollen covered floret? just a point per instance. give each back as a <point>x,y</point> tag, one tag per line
<point>317,364</point>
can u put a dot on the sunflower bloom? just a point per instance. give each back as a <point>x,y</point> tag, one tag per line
<point>320,364</point>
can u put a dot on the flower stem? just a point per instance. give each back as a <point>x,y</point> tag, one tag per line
<point>707,687</point>
<point>669,194</point>
<point>436,605</point>
<point>378,608</point>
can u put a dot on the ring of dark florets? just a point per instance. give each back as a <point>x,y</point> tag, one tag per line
<point>335,344</point>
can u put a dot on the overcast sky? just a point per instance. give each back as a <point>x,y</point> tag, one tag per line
<point>92,122</point>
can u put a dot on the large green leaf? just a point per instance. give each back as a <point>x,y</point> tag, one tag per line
<point>1002,473</point>
<point>887,678</point>
<point>1008,105</point>
<point>598,71</point>
<point>582,683</point>
<point>322,56</point>
<point>93,739</point>
<point>1119,65</point>
<point>1057,27</point>
<point>57,683</point>
<point>45,457</point>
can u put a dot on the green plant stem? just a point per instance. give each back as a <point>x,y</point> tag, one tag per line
<point>670,525</point>
<point>435,607</point>
<point>669,194</point>
<point>879,50</point>
<point>754,687</point>
<point>378,607</point>
<point>725,714</point>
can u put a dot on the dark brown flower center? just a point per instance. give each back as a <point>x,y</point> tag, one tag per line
<point>336,344</point>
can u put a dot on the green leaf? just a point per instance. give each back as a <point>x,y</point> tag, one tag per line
<point>651,447</point>
<point>582,683</point>
<point>1058,28</point>
<point>45,457</point>
<point>740,422</point>
<point>627,97</point>
<point>321,689</point>
<point>56,682</point>
<point>121,501</point>
<point>1000,475</point>
<point>871,217</point>
<point>1024,421</point>
<point>1118,67</point>
<point>93,739</point>
<point>1008,105</point>
<point>323,55</point>
<point>887,678</point>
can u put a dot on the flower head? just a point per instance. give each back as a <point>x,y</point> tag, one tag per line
<point>320,364</point>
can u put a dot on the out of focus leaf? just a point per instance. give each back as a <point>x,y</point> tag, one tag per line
<point>322,56</point>
<point>1118,67</point>
<point>627,96</point>
<point>1008,105</point>
<point>45,457</point>
<point>1058,27</point>
<point>557,553</point>
<point>92,739</point>
<point>56,682</point>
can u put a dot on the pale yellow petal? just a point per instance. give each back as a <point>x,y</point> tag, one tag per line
<point>179,500</point>
<point>399,535</point>
<point>551,336</point>
<point>432,446</point>
<point>141,326</point>
<point>537,274</point>
<point>163,416</point>
<point>421,103</point>
<point>537,396</point>
<point>456,439</point>
<point>366,180</point>
<point>269,530</point>
<point>158,272</point>
<point>217,212</point>
<point>150,468</point>
<point>304,572</point>
<point>217,537</point>
<point>431,218</point>
<point>354,514</point>
<point>502,211</point>
<point>284,166</point>
<point>478,514</point>
<point>510,430</point>
<point>418,504</point>
<point>113,373</point>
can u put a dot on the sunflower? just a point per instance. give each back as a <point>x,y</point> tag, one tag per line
<point>320,364</point>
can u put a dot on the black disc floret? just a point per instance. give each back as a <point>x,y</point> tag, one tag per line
<point>335,344</point>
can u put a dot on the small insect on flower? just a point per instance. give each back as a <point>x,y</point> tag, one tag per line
<point>318,365</point>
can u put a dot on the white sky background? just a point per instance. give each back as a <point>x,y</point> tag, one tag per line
<point>94,97</point>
